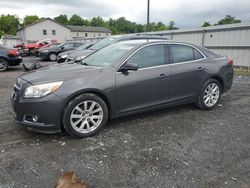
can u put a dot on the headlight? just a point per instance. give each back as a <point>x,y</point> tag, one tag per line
<point>45,51</point>
<point>42,90</point>
<point>64,56</point>
<point>80,58</point>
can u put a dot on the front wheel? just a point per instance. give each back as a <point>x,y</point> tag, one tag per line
<point>85,115</point>
<point>3,64</point>
<point>209,95</point>
<point>52,56</point>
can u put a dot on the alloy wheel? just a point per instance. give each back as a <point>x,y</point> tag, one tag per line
<point>52,57</point>
<point>211,94</point>
<point>86,116</point>
<point>3,65</point>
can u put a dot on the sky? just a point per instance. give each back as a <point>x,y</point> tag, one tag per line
<point>185,13</point>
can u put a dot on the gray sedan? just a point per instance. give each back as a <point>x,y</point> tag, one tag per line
<point>121,79</point>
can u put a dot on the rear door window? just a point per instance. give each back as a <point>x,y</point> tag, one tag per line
<point>197,55</point>
<point>181,53</point>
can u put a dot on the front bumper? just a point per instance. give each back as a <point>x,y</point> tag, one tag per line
<point>61,59</point>
<point>47,110</point>
<point>14,60</point>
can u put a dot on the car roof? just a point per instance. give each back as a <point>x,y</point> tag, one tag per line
<point>139,43</point>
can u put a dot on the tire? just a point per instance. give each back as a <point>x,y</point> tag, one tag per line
<point>3,65</point>
<point>210,94</point>
<point>52,56</point>
<point>78,118</point>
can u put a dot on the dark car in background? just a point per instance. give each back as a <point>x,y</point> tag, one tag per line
<point>61,58</point>
<point>8,57</point>
<point>121,79</point>
<point>80,55</point>
<point>51,53</point>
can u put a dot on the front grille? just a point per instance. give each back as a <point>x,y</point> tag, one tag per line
<point>69,59</point>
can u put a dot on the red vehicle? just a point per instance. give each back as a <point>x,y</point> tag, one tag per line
<point>33,47</point>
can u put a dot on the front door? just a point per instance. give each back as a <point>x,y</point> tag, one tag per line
<point>149,85</point>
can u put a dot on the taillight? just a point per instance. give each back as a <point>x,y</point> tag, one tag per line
<point>230,62</point>
<point>13,52</point>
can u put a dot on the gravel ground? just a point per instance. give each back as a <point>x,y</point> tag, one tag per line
<point>177,147</point>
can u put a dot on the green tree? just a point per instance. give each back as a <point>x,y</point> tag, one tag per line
<point>63,19</point>
<point>30,19</point>
<point>97,21</point>
<point>206,24</point>
<point>171,25</point>
<point>9,24</point>
<point>1,33</point>
<point>161,26</point>
<point>76,20</point>
<point>228,20</point>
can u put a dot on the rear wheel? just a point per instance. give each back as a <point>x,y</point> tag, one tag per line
<point>52,56</point>
<point>85,115</point>
<point>209,95</point>
<point>3,64</point>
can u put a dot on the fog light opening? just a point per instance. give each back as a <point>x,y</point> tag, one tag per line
<point>31,118</point>
<point>34,118</point>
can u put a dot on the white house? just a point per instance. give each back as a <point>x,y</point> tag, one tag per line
<point>49,29</point>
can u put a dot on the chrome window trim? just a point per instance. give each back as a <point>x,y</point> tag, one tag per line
<point>162,43</point>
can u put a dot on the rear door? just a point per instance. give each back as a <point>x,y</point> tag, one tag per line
<point>149,85</point>
<point>186,68</point>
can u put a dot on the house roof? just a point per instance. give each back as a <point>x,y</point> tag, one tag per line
<point>72,27</point>
<point>76,28</point>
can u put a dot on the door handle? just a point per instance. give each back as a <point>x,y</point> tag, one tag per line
<point>200,68</point>
<point>162,76</point>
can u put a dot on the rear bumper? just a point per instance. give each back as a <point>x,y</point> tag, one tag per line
<point>43,55</point>
<point>228,78</point>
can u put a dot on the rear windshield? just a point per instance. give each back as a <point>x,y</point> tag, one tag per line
<point>208,53</point>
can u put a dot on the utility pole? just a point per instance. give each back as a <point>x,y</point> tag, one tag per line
<point>148,10</point>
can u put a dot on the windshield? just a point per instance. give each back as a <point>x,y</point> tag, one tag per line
<point>103,43</point>
<point>82,47</point>
<point>108,55</point>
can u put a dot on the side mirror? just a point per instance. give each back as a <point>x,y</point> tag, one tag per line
<point>129,66</point>
<point>62,48</point>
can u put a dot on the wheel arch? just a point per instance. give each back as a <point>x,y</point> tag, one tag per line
<point>220,80</point>
<point>91,91</point>
<point>4,58</point>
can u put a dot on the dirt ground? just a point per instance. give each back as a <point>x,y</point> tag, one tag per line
<point>177,147</point>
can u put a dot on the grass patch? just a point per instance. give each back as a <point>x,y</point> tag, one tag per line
<point>241,72</point>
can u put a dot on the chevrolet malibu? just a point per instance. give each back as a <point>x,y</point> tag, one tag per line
<point>121,79</point>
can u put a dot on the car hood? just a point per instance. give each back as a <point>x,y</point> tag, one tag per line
<point>81,53</point>
<point>68,52</point>
<point>60,72</point>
